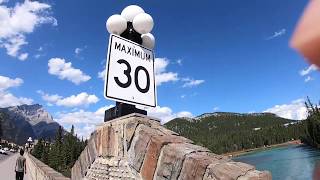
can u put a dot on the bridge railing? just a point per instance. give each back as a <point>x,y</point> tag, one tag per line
<point>37,170</point>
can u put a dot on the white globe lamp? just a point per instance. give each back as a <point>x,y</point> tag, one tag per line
<point>116,24</point>
<point>131,11</point>
<point>143,23</point>
<point>148,40</point>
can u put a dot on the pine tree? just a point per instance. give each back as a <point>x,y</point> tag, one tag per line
<point>45,152</point>
<point>313,124</point>
<point>38,149</point>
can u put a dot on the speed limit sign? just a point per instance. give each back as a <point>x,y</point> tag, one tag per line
<point>130,76</point>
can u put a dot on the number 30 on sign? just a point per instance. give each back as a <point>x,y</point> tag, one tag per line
<point>130,76</point>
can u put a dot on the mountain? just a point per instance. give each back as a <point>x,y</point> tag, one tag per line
<point>224,132</point>
<point>21,122</point>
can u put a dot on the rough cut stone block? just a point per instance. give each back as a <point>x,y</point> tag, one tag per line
<point>153,152</point>
<point>227,170</point>
<point>98,141</point>
<point>150,151</point>
<point>75,171</point>
<point>171,159</point>
<point>256,175</point>
<point>92,151</point>
<point>130,128</point>
<point>166,131</point>
<point>118,147</point>
<point>195,165</point>
<point>139,145</point>
<point>108,142</point>
<point>83,162</point>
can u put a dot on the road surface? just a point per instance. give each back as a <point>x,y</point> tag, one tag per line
<point>7,168</point>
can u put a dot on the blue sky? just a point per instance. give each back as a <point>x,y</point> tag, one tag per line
<point>211,56</point>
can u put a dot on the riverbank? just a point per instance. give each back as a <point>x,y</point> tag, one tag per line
<point>242,152</point>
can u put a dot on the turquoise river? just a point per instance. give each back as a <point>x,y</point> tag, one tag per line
<point>286,163</point>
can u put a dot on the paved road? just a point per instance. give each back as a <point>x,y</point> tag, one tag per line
<point>3,157</point>
<point>7,168</point>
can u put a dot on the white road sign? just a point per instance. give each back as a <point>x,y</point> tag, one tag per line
<point>130,74</point>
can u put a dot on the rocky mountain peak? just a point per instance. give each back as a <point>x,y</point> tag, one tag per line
<point>33,113</point>
<point>21,122</point>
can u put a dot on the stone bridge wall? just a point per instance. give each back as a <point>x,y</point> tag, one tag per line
<point>138,147</point>
<point>37,170</point>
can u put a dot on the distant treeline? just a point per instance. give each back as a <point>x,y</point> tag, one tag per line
<point>312,136</point>
<point>229,132</point>
<point>62,153</point>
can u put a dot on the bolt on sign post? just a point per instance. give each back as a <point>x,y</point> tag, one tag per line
<point>130,73</point>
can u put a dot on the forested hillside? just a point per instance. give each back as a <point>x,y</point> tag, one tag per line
<point>62,153</point>
<point>313,125</point>
<point>228,132</point>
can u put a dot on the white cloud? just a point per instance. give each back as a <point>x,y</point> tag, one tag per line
<point>184,114</point>
<point>22,19</point>
<point>37,56</point>
<point>166,77</point>
<point>6,83</point>
<point>191,82</point>
<point>179,62</point>
<point>3,1</point>
<point>165,114</point>
<point>64,70</point>
<point>85,130</point>
<point>7,98</point>
<point>84,121</point>
<point>295,110</point>
<point>39,53</point>
<point>308,78</point>
<point>82,99</point>
<point>49,98</point>
<point>160,65</point>
<point>308,70</point>
<point>102,74</point>
<point>77,51</point>
<point>277,34</point>
<point>23,56</point>
<point>216,108</point>
<point>160,72</point>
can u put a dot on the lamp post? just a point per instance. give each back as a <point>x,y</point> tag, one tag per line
<point>135,25</point>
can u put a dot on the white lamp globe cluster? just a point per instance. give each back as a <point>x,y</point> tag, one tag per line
<point>141,22</point>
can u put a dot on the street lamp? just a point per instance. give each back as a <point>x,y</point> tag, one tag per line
<point>135,25</point>
<point>116,24</point>
<point>131,11</point>
<point>148,40</point>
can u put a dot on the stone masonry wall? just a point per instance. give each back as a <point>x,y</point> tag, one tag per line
<point>40,171</point>
<point>150,151</point>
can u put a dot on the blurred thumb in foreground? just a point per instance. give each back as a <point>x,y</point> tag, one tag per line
<point>306,38</point>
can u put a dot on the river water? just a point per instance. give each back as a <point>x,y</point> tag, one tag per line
<point>285,163</point>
